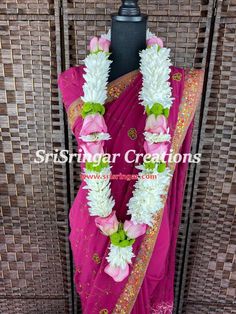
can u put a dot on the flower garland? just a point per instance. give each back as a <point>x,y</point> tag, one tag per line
<point>147,197</point>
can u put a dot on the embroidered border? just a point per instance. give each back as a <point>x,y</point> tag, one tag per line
<point>74,111</point>
<point>116,87</point>
<point>190,99</point>
<point>189,102</point>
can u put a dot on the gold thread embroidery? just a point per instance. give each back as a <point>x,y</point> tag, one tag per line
<point>177,76</point>
<point>104,311</point>
<point>116,87</point>
<point>189,102</point>
<point>74,111</point>
<point>132,133</point>
<point>190,99</point>
<point>114,92</point>
<point>96,258</point>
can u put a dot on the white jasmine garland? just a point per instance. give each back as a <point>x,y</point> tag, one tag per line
<point>96,77</point>
<point>155,68</point>
<point>97,67</point>
<point>148,194</point>
<point>147,197</point>
<point>120,256</point>
<point>100,200</point>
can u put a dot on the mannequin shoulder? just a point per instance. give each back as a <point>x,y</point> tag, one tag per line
<point>73,74</point>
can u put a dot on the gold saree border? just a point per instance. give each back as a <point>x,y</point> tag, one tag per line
<point>114,90</point>
<point>74,111</point>
<point>117,87</point>
<point>190,99</point>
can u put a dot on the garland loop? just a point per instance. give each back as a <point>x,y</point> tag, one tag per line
<point>147,198</point>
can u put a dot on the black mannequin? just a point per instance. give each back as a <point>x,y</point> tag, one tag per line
<point>128,37</point>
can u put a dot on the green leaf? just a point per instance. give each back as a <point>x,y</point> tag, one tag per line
<point>161,167</point>
<point>115,238</point>
<point>104,164</point>
<point>93,166</point>
<point>166,112</point>
<point>87,106</point>
<point>131,241</point>
<point>124,243</point>
<point>148,111</point>
<point>97,168</point>
<point>157,109</point>
<point>96,52</point>
<point>120,227</point>
<point>122,235</point>
<point>88,165</point>
<point>92,108</point>
<point>102,110</point>
<point>149,165</point>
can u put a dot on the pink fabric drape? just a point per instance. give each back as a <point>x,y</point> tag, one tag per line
<point>97,290</point>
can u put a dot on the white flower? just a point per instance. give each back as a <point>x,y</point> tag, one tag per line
<point>100,200</point>
<point>95,137</point>
<point>97,66</point>
<point>147,196</point>
<point>155,68</point>
<point>107,35</point>
<point>120,256</point>
<point>149,34</point>
<point>156,138</point>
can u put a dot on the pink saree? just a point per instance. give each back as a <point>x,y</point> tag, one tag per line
<point>149,286</point>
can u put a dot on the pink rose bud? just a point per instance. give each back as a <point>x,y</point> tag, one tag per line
<point>108,225</point>
<point>155,41</point>
<point>134,231</point>
<point>92,148</point>
<point>117,273</point>
<point>156,148</point>
<point>93,46</point>
<point>93,123</point>
<point>104,44</point>
<point>157,124</point>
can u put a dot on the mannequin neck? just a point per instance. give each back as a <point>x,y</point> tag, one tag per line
<point>128,37</point>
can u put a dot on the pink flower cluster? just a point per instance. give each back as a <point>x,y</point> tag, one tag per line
<point>154,40</point>
<point>157,125</point>
<point>101,43</point>
<point>97,44</point>
<point>117,273</point>
<point>108,226</point>
<point>93,123</point>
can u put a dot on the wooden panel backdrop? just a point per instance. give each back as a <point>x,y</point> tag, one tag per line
<point>35,263</point>
<point>39,39</point>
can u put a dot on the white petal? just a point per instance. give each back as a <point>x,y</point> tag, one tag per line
<point>120,256</point>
